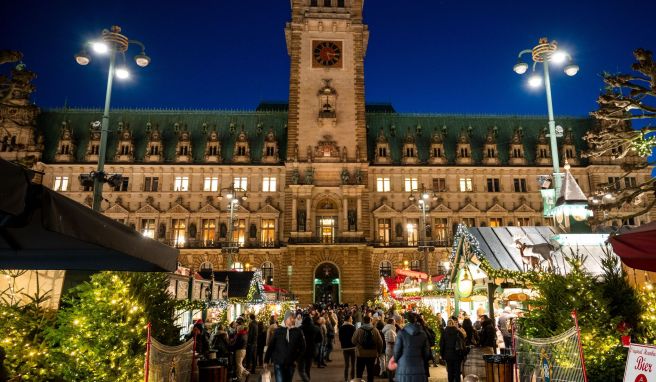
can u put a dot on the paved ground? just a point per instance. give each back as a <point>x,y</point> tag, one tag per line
<point>335,372</point>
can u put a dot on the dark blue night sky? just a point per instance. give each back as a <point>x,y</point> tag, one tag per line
<point>424,56</point>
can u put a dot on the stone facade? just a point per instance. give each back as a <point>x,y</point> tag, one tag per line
<point>330,181</point>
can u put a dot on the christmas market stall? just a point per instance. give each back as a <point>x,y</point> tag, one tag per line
<point>492,262</point>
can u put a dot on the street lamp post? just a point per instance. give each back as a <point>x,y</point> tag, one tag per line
<point>111,42</point>
<point>546,52</point>
<point>425,245</point>
<point>233,195</point>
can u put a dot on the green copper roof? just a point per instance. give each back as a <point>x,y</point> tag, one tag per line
<point>228,124</point>
<point>396,127</point>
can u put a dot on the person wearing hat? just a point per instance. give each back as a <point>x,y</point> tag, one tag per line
<point>287,346</point>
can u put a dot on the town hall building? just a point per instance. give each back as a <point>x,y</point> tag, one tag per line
<point>333,186</point>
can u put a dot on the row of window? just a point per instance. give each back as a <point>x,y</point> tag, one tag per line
<point>180,183</point>
<point>182,231</point>
<point>383,184</point>
<point>439,231</point>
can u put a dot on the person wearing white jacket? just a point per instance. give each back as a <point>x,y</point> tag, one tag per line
<point>389,335</point>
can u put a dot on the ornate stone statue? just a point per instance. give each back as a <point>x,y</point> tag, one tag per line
<point>345,176</point>
<point>295,176</point>
<point>358,176</point>
<point>309,175</point>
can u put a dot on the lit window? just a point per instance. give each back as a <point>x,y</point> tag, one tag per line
<point>523,222</point>
<point>179,232</point>
<point>441,231</point>
<point>384,231</point>
<point>181,183</point>
<point>237,266</point>
<point>61,183</point>
<point>241,183</point>
<point>496,222</point>
<point>415,265</point>
<point>148,228</point>
<point>239,232</point>
<point>268,230</point>
<point>269,184</point>
<point>383,184</point>
<point>413,231</point>
<point>466,185</point>
<point>208,230</point>
<point>411,184</point>
<point>211,184</point>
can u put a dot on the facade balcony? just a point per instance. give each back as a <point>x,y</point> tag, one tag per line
<point>221,244</point>
<point>419,244</point>
<point>327,240</point>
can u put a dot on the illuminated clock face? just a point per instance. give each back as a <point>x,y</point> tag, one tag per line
<point>327,53</point>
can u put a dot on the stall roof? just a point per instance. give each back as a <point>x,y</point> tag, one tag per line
<point>41,229</point>
<point>499,247</point>
<point>238,283</point>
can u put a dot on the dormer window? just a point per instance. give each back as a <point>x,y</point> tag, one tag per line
<point>95,149</point>
<point>241,150</point>
<point>437,151</point>
<point>464,152</point>
<point>382,151</point>
<point>65,149</point>
<point>543,153</point>
<point>213,150</point>
<point>491,153</point>
<point>517,152</point>
<point>184,150</point>
<point>569,153</point>
<point>410,152</point>
<point>125,150</point>
<point>154,150</point>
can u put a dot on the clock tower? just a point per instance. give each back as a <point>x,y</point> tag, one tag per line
<point>326,42</point>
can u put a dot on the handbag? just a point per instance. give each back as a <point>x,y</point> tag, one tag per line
<point>266,375</point>
<point>391,365</point>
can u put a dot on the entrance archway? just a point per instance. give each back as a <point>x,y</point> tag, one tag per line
<point>326,283</point>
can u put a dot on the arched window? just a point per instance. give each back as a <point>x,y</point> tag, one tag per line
<point>205,266</point>
<point>415,265</point>
<point>267,272</point>
<point>385,269</point>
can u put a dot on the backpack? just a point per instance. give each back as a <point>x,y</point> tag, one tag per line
<point>368,339</point>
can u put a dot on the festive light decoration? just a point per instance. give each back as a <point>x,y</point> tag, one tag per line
<point>101,330</point>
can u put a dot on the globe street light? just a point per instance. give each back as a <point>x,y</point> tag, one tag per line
<point>233,195</point>
<point>546,52</point>
<point>111,42</point>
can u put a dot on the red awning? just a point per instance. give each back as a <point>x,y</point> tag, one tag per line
<point>438,278</point>
<point>271,288</point>
<point>637,247</point>
<point>405,272</point>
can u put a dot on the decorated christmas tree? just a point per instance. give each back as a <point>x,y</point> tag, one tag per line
<point>101,328</point>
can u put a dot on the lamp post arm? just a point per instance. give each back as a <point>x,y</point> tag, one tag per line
<point>523,52</point>
<point>137,42</point>
<point>552,129</point>
<point>97,181</point>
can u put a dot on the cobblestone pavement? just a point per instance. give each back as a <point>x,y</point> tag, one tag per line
<point>334,372</point>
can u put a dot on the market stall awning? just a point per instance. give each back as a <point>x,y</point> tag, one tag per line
<point>272,289</point>
<point>237,283</point>
<point>637,247</point>
<point>415,274</point>
<point>41,229</point>
<point>499,246</point>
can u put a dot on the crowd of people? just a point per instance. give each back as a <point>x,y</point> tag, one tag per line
<point>398,346</point>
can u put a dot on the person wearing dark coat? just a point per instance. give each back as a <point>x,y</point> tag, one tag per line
<point>346,332</point>
<point>488,337</point>
<point>411,352</point>
<point>312,338</point>
<point>287,346</point>
<point>449,350</point>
